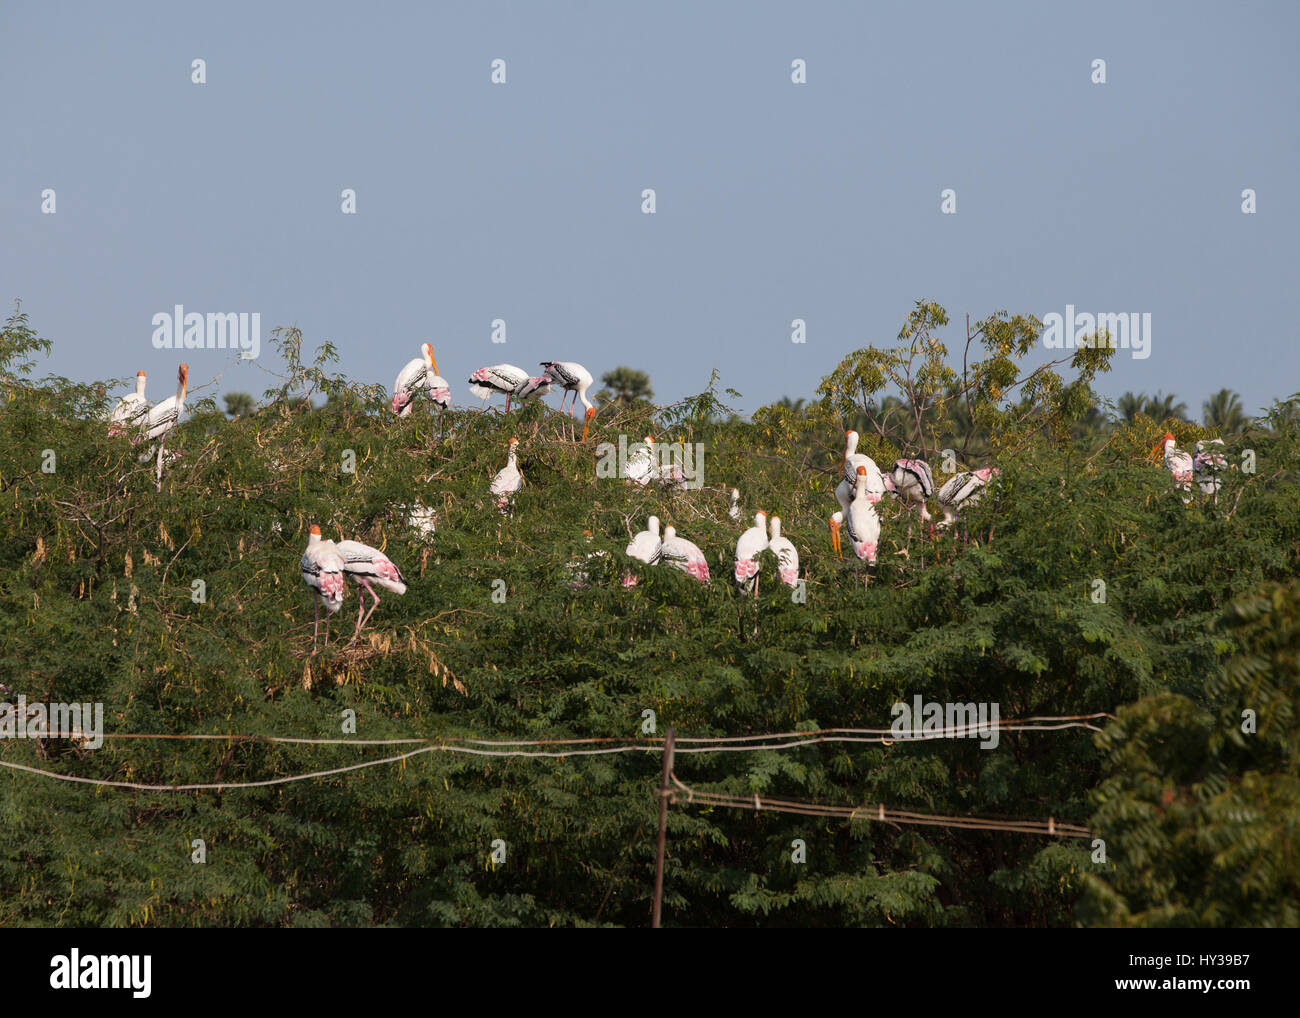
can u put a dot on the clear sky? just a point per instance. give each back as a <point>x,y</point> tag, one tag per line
<point>775,201</point>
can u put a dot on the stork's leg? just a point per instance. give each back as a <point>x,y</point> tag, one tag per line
<point>162,444</point>
<point>315,625</point>
<point>361,622</point>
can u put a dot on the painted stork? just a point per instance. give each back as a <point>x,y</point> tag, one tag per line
<point>733,513</point>
<point>322,570</point>
<point>641,464</point>
<point>506,484</point>
<point>912,483</point>
<point>787,557</point>
<point>962,490</point>
<point>849,463</point>
<point>682,554</point>
<point>131,409</point>
<point>1178,463</point>
<point>1209,464</point>
<point>420,374</point>
<point>752,544</point>
<point>503,378</point>
<point>862,522</point>
<point>574,379</point>
<point>162,418</point>
<point>369,565</point>
<point>644,547</point>
<point>836,522</point>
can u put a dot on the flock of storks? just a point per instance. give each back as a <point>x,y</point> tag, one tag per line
<point>862,485</point>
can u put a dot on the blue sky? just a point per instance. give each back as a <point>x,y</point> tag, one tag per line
<point>775,201</point>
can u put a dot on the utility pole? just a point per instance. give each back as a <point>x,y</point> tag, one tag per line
<point>664,793</point>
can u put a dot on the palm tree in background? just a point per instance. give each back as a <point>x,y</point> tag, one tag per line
<point>1223,411</point>
<point>1160,408</point>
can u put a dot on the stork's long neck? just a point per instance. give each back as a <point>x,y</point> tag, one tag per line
<point>139,386</point>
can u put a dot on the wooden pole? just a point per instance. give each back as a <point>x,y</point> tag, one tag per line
<point>663,826</point>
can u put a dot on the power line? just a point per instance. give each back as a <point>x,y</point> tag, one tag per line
<point>880,812</point>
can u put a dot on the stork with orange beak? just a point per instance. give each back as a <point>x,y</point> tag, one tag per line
<point>420,374</point>
<point>837,521</point>
<point>165,416</point>
<point>574,379</point>
<point>506,484</point>
<point>850,460</point>
<point>1177,462</point>
<point>322,569</point>
<point>131,409</point>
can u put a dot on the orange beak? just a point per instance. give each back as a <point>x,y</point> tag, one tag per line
<point>434,361</point>
<point>589,417</point>
<point>835,538</point>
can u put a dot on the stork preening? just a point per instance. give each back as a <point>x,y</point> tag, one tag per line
<point>505,379</point>
<point>787,556</point>
<point>682,554</point>
<point>644,547</point>
<point>369,565</point>
<point>1209,466</point>
<point>961,490</point>
<point>506,484</point>
<point>1179,464</point>
<point>846,490</point>
<point>862,522</point>
<point>752,544</point>
<point>131,411</point>
<point>912,483</point>
<point>322,570</point>
<point>420,375</point>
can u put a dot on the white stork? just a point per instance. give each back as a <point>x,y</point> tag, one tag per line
<point>503,378</point>
<point>849,463</point>
<point>1178,463</point>
<point>322,570</point>
<point>573,378</point>
<point>682,554</point>
<point>369,565</point>
<point>131,409</point>
<point>962,490</point>
<point>506,484</point>
<point>862,521</point>
<point>420,374</point>
<point>1208,464</point>
<point>752,544</point>
<point>787,557</point>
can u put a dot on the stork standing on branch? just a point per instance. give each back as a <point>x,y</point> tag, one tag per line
<point>369,565</point>
<point>131,410</point>
<point>752,544</point>
<point>322,570</point>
